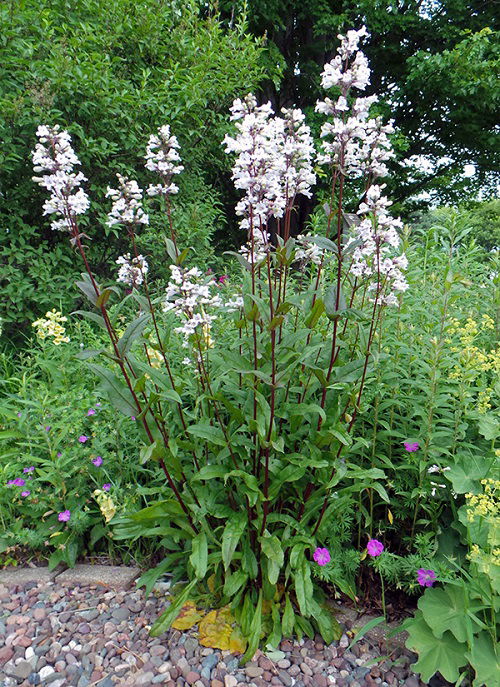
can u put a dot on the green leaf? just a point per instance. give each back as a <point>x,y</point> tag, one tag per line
<point>489,426</point>
<point>484,658</point>
<point>149,578</point>
<point>288,619</point>
<point>199,555</point>
<point>87,288</point>
<point>255,629</point>
<point>118,393</point>
<point>328,625</point>
<point>366,628</point>
<point>210,472</point>
<point>235,582</point>
<point>316,311</point>
<point>205,431</point>
<point>445,609</point>
<point>133,331</point>
<point>92,316</point>
<point>468,472</point>
<point>163,622</point>
<point>231,536</point>
<point>303,587</point>
<point>443,654</point>
<point>330,299</point>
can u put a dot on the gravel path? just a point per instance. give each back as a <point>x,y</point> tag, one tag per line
<point>86,636</point>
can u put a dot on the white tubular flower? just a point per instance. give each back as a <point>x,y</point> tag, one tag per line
<point>127,203</point>
<point>189,296</point>
<point>298,150</point>
<point>55,156</point>
<point>162,157</point>
<point>376,237</point>
<point>360,145</point>
<point>308,251</point>
<point>132,270</point>
<point>259,165</point>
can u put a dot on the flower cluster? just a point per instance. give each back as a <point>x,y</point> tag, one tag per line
<point>132,270</point>
<point>474,359</point>
<point>188,295</point>
<point>308,251</point>
<point>127,203</point>
<point>54,155</point>
<point>273,165</point>
<point>486,504</point>
<point>105,502</point>
<point>360,144</point>
<point>375,237</point>
<point>162,157</point>
<point>52,326</point>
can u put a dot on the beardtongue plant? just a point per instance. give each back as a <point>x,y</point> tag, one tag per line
<point>253,429</point>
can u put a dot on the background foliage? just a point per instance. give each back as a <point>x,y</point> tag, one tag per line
<point>111,72</point>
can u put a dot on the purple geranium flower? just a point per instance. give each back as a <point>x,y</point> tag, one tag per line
<point>321,556</point>
<point>30,469</point>
<point>18,482</point>
<point>91,411</point>
<point>64,516</point>
<point>82,439</point>
<point>107,486</point>
<point>374,547</point>
<point>426,578</point>
<point>26,493</point>
<point>97,461</point>
<point>411,446</point>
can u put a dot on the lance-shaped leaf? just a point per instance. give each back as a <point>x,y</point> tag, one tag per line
<point>165,620</point>
<point>118,393</point>
<point>231,536</point>
<point>133,331</point>
<point>199,555</point>
<point>332,307</point>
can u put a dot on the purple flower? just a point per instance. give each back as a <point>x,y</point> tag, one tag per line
<point>19,415</point>
<point>426,578</point>
<point>98,404</point>
<point>26,493</point>
<point>47,429</point>
<point>97,461</point>
<point>133,417</point>
<point>59,454</point>
<point>321,556</point>
<point>30,469</point>
<point>411,446</point>
<point>91,411</point>
<point>374,547</point>
<point>64,516</point>
<point>82,439</point>
<point>18,482</point>
<point>107,486</point>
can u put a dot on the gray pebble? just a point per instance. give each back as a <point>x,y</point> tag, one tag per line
<point>121,613</point>
<point>285,678</point>
<point>210,661</point>
<point>22,670</point>
<point>34,679</point>
<point>88,615</point>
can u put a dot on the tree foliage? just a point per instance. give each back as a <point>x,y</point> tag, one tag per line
<point>111,71</point>
<point>435,61</point>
